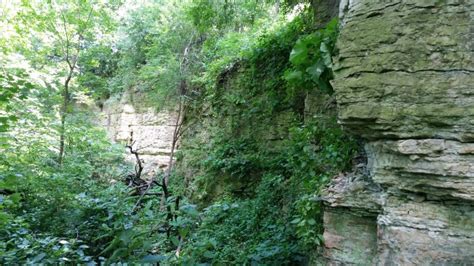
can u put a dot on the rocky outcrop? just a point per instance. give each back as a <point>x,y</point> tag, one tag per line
<point>150,131</point>
<point>352,203</point>
<point>404,82</point>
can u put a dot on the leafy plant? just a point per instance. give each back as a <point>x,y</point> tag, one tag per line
<point>250,167</point>
<point>311,60</point>
<point>13,84</point>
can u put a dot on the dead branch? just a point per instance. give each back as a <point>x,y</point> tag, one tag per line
<point>138,172</point>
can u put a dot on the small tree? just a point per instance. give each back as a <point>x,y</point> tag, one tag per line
<point>66,29</point>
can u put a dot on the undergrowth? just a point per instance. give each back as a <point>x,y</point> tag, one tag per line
<point>259,175</point>
<point>249,171</point>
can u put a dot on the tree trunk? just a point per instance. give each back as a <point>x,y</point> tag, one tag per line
<point>176,134</point>
<point>62,130</point>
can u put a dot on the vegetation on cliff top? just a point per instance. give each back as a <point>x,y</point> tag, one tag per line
<point>241,73</point>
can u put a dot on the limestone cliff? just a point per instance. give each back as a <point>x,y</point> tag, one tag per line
<point>127,119</point>
<point>404,82</point>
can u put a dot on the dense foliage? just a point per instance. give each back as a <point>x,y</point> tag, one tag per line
<point>252,160</point>
<point>261,173</point>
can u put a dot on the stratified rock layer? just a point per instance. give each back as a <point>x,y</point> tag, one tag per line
<point>405,69</point>
<point>404,81</point>
<point>151,132</point>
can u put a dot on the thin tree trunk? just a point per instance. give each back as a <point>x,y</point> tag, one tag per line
<point>174,142</point>
<point>71,61</point>
<point>63,115</point>
<point>179,120</point>
<point>176,134</point>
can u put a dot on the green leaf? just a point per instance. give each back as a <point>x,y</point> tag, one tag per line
<point>331,27</point>
<point>117,253</point>
<point>190,210</point>
<point>326,54</point>
<point>324,85</point>
<point>9,182</point>
<point>208,254</point>
<point>295,221</point>
<point>316,70</point>
<point>174,240</point>
<point>38,258</point>
<point>293,76</point>
<point>183,232</point>
<point>4,217</point>
<point>126,236</point>
<point>299,53</point>
<point>16,197</point>
<point>153,258</point>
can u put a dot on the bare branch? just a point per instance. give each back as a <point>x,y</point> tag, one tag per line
<point>67,41</point>
<point>138,172</point>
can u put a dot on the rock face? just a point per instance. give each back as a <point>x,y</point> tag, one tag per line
<point>126,120</point>
<point>404,82</point>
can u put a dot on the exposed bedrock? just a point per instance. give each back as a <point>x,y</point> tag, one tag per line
<point>128,120</point>
<point>404,82</point>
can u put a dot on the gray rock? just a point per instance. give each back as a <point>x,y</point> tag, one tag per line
<point>404,81</point>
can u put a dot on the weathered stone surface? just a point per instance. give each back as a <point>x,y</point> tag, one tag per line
<point>149,130</point>
<point>405,70</point>
<point>425,233</point>
<point>404,81</point>
<point>355,192</point>
<point>341,246</point>
<point>352,203</point>
<point>438,167</point>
